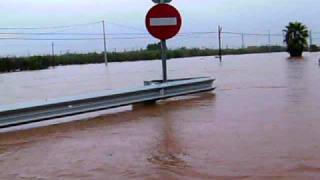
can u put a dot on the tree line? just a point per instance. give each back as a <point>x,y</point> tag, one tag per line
<point>152,52</point>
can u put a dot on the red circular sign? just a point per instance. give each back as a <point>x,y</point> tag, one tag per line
<point>163,21</point>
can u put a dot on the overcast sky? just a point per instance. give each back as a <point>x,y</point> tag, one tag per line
<point>254,16</point>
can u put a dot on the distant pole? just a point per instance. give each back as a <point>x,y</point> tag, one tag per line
<point>220,43</point>
<point>310,41</point>
<point>105,44</point>
<point>52,50</point>
<point>242,38</point>
<point>269,40</point>
<point>284,37</point>
<point>164,60</point>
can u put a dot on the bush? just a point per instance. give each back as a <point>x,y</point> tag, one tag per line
<point>314,48</point>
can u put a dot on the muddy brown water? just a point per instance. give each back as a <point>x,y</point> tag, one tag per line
<point>262,122</point>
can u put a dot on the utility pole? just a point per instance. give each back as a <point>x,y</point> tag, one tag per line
<point>52,50</point>
<point>310,40</point>
<point>220,43</point>
<point>242,38</point>
<point>269,40</point>
<point>284,37</point>
<point>105,44</point>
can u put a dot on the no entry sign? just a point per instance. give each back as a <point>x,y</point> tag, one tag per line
<point>163,21</point>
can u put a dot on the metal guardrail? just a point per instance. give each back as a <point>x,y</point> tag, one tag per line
<point>68,106</point>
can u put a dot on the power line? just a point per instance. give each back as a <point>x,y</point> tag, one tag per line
<point>196,37</point>
<point>96,34</point>
<point>111,23</point>
<point>184,35</point>
<point>49,27</point>
<point>116,34</point>
<point>198,33</point>
<point>110,35</point>
<point>71,39</point>
<point>250,34</point>
<point>125,26</point>
<point>70,34</point>
<point>51,39</point>
<point>110,38</point>
<point>43,33</point>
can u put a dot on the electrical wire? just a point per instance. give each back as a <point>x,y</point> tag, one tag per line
<point>250,34</point>
<point>109,35</point>
<point>183,35</point>
<point>126,26</point>
<point>96,34</point>
<point>49,27</point>
<point>69,34</point>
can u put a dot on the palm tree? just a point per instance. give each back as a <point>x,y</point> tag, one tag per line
<point>296,38</point>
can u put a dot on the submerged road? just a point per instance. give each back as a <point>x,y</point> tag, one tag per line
<point>261,123</point>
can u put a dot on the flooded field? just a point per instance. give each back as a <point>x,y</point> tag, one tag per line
<point>262,122</point>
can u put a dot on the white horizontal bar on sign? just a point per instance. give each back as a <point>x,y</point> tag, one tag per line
<point>171,21</point>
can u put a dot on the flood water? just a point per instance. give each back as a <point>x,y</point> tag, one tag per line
<point>262,122</point>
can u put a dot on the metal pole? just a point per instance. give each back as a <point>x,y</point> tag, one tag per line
<point>52,50</point>
<point>284,37</point>
<point>242,38</point>
<point>269,40</point>
<point>105,44</point>
<point>310,41</point>
<point>219,37</point>
<point>164,60</point>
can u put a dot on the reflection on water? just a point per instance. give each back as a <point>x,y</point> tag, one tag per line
<point>297,80</point>
<point>261,123</point>
<point>302,85</point>
<point>169,153</point>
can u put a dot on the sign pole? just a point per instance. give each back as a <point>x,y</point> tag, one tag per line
<point>104,44</point>
<point>164,56</point>
<point>163,22</point>
<point>310,41</point>
<point>164,60</point>
<point>52,50</point>
<point>269,41</point>
<point>220,44</point>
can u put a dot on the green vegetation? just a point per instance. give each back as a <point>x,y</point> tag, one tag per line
<point>12,64</point>
<point>314,48</point>
<point>155,46</point>
<point>296,38</point>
